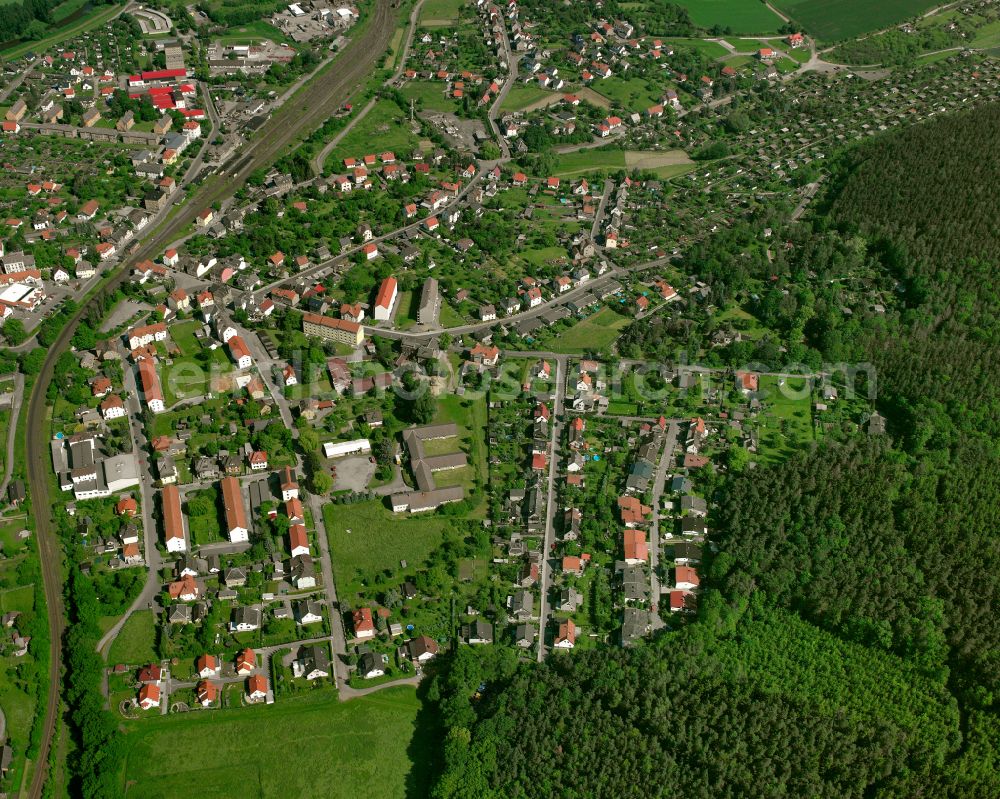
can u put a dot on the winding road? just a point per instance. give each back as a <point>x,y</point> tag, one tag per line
<point>305,111</point>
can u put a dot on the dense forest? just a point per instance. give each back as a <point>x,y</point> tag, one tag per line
<point>738,706</point>
<point>847,639</point>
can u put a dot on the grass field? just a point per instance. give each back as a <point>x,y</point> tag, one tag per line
<point>386,127</point>
<point>394,47</point>
<point>307,746</point>
<point>450,317</point>
<point>430,93</point>
<point>187,377</point>
<point>988,35</point>
<point>182,334</point>
<point>633,94</point>
<point>787,423</point>
<point>21,599</point>
<point>4,423</point>
<point>521,96</point>
<point>366,538</point>
<point>470,416</point>
<point>584,161</point>
<point>703,46</point>
<point>665,163</point>
<point>742,16</point>
<point>833,20</point>
<point>593,333</point>
<point>543,255</point>
<point>135,644</point>
<point>439,13</point>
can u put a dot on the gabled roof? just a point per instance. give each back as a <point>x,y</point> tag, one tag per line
<point>636,546</point>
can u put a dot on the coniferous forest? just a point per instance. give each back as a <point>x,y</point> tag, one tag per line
<point>847,642</point>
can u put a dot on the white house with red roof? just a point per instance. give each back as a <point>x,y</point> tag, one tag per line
<point>149,696</point>
<point>385,299</point>
<point>363,623</point>
<point>239,352</point>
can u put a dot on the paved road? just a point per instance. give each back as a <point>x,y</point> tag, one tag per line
<point>508,83</point>
<point>337,638</point>
<point>560,299</point>
<point>15,414</point>
<point>807,196</point>
<point>346,692</point>
<point>666,461</point>
<point>609,186</point>
<point>545,577</point>
<point>6,91</point>
<point>266,366</point>
<point>154,562</point>
<point>304,112</point>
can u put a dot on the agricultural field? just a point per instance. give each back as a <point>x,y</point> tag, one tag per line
<point>834,20</point>
<point>665,164</point>
<point>738,16</point>
<point>582,162</point>
<point>375,744</point>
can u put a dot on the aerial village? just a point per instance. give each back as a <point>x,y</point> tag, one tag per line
<point>355,416</point>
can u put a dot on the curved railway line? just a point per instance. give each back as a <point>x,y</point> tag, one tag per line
<point>305,111</point>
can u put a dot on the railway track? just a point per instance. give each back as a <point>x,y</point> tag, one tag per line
<point>305,111</point>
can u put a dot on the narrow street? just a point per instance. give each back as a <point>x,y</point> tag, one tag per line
<point>545,576</point>
<point>609,186</point>
<point>15,414</point>
<point>498,101</point>
<point>338,639</point>
<point>154,563</point>
<point>666,461</point>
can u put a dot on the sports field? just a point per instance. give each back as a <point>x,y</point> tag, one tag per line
<point>740,16</point>
<point>833,20</point>
<point>309,746</point>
